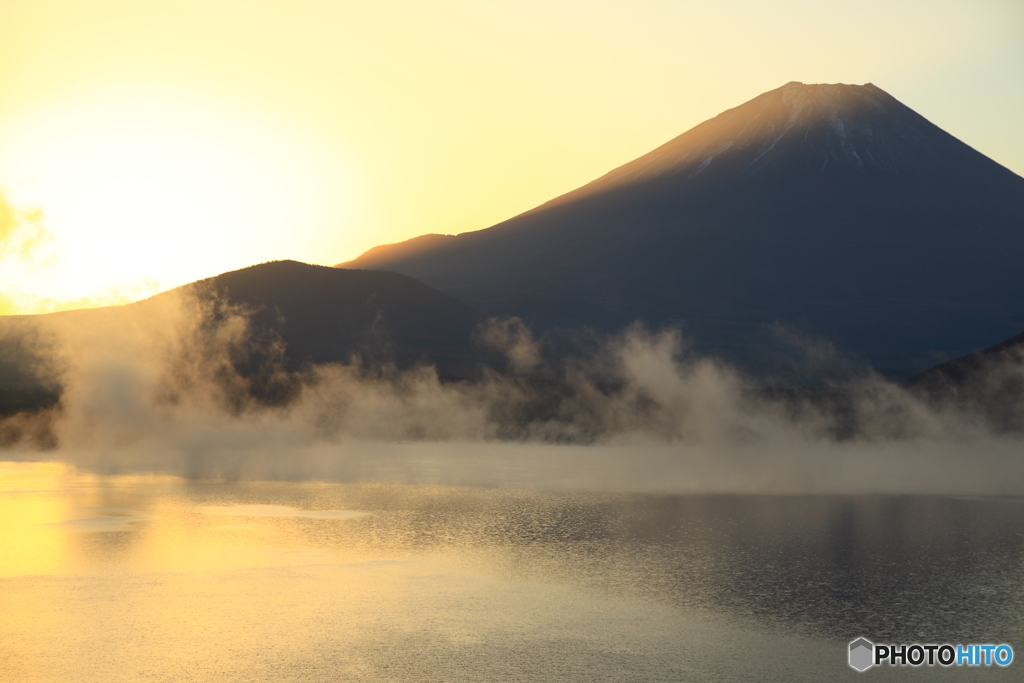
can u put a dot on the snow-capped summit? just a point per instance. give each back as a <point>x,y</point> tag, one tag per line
<point>811,126</point>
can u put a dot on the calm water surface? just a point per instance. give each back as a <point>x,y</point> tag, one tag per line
<point>147,578</point>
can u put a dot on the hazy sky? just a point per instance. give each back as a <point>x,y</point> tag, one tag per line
<point>169,140</point>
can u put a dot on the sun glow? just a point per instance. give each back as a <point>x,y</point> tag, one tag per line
<point>142,194</point>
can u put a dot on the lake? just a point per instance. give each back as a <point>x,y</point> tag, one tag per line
<point>145,577</point>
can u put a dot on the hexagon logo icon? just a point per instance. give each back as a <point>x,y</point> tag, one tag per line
<point>862,654</point>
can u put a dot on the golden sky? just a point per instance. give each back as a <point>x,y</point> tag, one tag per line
<point>169,140</point>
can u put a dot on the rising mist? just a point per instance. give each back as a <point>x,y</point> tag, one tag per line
<point>181,385</point>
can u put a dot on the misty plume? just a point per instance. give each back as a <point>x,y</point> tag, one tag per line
<point>514,339</point>
<point>183,383</point>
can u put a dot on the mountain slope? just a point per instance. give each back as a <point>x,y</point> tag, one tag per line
<point>834,210</point>
<point>988,382</point>
<point>327,314</point>
<point>321,314</point>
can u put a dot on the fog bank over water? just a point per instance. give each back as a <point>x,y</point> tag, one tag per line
<point>158,387</point>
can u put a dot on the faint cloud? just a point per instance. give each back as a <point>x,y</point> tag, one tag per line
<point>22,234</point>
<point>29,248</point>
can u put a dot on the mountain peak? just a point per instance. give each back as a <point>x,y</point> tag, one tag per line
<point>822,126</point>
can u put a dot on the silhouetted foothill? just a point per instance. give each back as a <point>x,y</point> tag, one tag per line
<point>989,382</point>
<point>330,315</point>
<point>297,315</point>
<point>832,210</point>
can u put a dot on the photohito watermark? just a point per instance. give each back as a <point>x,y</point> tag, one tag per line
<point>864,654</point>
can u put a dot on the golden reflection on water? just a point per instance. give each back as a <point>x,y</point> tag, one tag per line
<point>30,504</point>
<point>57,521</point>
<point>144,577</point>
<point>127,578</point>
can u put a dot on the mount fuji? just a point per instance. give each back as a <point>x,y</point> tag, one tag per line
<point>830,213</point>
